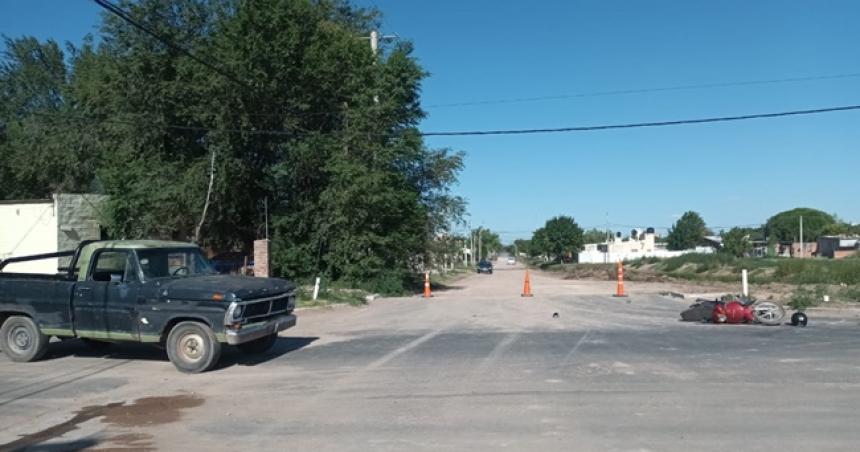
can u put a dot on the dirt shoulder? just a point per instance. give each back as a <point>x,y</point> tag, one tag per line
<point>648,279</point>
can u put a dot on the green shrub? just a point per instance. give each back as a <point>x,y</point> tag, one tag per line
<point>850,293</point>
<point>672,264</point>
<point>702,261</point>
<point>802,298</point>
<point>638,262</point>
<point>818,271</point>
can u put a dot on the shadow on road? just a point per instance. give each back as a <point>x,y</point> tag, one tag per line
<point>78,348</point>
<point>130,351</point>
<point>233,356</point>
<point>444,287</point>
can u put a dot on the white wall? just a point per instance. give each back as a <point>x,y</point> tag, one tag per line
<point>597,257</point>
<point>29,228</point>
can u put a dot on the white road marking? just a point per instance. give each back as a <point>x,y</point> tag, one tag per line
<point>569,357</point>
<point>395,353</point>
<point>497,351</point>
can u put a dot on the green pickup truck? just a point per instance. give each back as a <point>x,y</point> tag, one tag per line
<point>158,292</point>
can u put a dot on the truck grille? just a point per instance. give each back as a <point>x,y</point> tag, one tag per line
<point>269,306</point>
<point>280,305</point>
<point>257,309</point>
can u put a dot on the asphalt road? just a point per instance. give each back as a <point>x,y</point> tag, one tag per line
<point>475,368</point>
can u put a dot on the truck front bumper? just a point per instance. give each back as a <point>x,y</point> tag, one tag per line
<point>256,331</point>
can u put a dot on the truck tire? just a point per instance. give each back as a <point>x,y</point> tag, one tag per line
<point>261,345</point>
<point>193,348</point>
<point>22,340</point>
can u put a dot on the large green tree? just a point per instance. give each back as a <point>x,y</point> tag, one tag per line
<point>785,226</point>
<point>39,152</point>
<point>687,232</point>
<point>560,237</point>
<point>299,119</point>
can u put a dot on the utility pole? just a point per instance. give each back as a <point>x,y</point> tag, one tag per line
<point>375,38</point>
<point>471,245</point>
<point>607,227</point>
<point>480,244</point>
<point>374,47</point>
<point>801,236</point>
<point>374,42</point>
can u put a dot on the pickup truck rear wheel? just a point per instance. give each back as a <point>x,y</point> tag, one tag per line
<point>21,340</point>
<point>193,348</point>
<point>257,346</point>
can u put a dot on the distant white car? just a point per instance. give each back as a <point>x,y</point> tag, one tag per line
<point>512,261</point>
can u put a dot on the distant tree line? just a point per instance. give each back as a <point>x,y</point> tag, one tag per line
<point>561,237</point>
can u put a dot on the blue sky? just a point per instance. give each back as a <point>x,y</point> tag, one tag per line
<point>732,173</point>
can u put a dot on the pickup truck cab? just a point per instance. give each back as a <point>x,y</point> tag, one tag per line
<point>158,292</point>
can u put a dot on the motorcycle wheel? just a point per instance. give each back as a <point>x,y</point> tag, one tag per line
<point>768,313</point>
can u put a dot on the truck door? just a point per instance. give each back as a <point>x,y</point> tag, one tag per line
<point>105,304</point>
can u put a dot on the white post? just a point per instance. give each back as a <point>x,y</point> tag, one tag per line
<point>374,42</point>
<point>745,283</point>
<point>316,288</point>
<point>801,236</point>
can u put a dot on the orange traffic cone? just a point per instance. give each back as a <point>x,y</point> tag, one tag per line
<point>427,293</point>
<point>619,291</point>
<point>527,286</point>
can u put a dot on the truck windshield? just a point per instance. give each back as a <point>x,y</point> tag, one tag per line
<point>166,263</point>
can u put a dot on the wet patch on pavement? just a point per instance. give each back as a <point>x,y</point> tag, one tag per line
<point>143,412</point>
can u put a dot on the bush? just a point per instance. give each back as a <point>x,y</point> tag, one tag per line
<point>709,261</point>
<point>818,271</point>
<point>851,293</point>
<point>804,297</point>
<point>392,282</point>
<point>636,263</point>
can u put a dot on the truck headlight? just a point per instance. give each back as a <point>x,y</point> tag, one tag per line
<point>237,312</point>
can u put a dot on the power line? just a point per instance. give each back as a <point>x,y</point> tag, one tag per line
<point>645,124</point>
<point>647,90</point>
<point>494,132</point>
<point>119,12</point>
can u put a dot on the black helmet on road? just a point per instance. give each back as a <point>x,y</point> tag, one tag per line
<point>799,319</point>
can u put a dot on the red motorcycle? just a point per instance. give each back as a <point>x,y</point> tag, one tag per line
<point>735,310</point>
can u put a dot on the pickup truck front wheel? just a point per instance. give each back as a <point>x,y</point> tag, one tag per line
<point>21,340</point>
<point>193,348</point>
